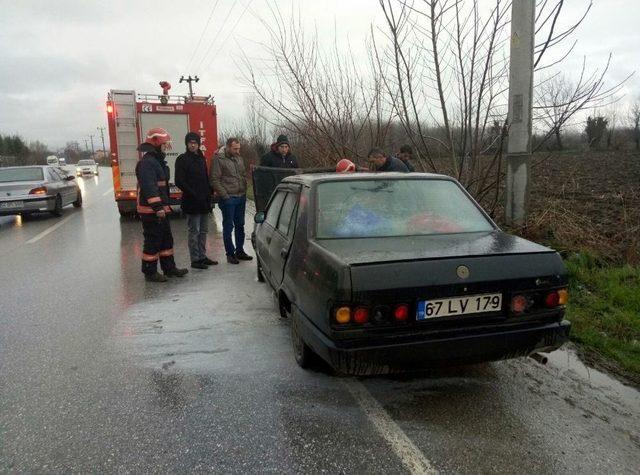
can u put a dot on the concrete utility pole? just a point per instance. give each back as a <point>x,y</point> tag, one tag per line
<point>520,108</point>
<point>93,152</point>
<point>86,145</point>
<point>104,150</point>
<point>190,80</point>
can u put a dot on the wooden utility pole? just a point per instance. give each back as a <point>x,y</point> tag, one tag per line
<point>520,110</point>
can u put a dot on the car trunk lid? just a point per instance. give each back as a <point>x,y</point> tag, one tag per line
<point>18,188</point>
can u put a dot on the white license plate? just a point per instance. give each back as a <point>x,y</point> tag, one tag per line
<point>463,305</point>
<point>11,204</point>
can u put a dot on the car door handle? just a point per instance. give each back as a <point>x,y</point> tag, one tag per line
<point>284,252</point>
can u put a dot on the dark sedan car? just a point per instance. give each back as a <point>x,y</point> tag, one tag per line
<point>392,271</point>
<point>25,190</point>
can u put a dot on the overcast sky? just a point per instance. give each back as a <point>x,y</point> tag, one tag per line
<point>59,58</point>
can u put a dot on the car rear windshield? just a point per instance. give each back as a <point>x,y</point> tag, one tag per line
<point>86,162</point>
<point>399,207</point>
<point>20,174</point>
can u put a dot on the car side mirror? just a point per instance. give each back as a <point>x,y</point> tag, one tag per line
<point>70,177</point>
<point>259,217</point>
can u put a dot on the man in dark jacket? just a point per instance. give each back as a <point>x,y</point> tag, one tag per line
<point>406,154</point>
<point>382,163</point>
<point>153,206</point>
<point>280,155</point>
<point>192,178</point>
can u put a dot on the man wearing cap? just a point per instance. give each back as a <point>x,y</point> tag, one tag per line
<point>280,155</point>
<point>193,179</point>
<point>153,207</point>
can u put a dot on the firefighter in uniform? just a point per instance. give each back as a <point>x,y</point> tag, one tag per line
<point>153,207</point>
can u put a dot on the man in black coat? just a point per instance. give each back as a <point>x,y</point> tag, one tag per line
<point>192,178</point>
<point>383,163</point>
<point>280,155</point>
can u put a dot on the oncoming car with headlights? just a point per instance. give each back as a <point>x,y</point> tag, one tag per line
<point>87,167</point>
<point>32,189</point>
<point>393,271</point>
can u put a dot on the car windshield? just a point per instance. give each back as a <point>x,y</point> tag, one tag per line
<point>86,162</point>
<point>20,174</point>
<point>391,208</point>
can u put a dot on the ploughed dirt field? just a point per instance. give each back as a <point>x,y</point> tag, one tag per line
<point>588,199</point>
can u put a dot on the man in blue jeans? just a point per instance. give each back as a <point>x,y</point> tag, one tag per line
<point>229,180</point>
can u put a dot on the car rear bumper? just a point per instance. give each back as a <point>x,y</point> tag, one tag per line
<point>426,351</point>
<point>27,205</point>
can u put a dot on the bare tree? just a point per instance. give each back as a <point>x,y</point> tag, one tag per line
<point>320,97</point>
<point>634,115</point>
<point>559,99</point>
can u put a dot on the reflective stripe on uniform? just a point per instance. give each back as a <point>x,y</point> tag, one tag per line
<point>166,253</point>
<point>162,183</point>
<point>150,257</point>
<point>145,209</point>
<point>167,209</point>
<point>155,199</point>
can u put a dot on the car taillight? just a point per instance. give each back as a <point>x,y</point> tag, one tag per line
<point>41,190</point>
<point>343,315</point>
<point>556,298</point>
<point>361,315</point>
<point>519,303</point>
<point>401,313</point>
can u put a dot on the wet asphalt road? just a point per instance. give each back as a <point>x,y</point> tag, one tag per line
<point>102,372</point>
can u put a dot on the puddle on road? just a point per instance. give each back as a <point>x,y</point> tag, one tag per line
<point>566,359</point>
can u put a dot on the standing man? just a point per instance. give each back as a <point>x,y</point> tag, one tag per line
<point>280,155</point>
<point>193,179</point>
<point>229,180</point>
<point>406,154</point>
<point>382,163</point>
<point>153,206</point>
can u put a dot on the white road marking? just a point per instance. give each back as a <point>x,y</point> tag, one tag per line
<point>110,190</point>
<point>49,230</point>
<point>410,456</point>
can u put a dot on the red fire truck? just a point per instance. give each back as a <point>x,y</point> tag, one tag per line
<point>130,115</point>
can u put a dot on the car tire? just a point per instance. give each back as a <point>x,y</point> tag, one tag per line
<point>57,209</point>
<point>78,202</point>
<point>259,273</point>
<point>303,354</point>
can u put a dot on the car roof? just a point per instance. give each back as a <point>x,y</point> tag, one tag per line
<point>309,179</point>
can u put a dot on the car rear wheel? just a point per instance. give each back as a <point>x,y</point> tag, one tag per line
<point>78,202</point>
<point>57,210</point>
<point>304,355</point>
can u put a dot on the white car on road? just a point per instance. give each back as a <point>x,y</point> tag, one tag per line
<point>87,167</point>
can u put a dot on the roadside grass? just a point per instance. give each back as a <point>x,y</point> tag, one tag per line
<point>604,308</point>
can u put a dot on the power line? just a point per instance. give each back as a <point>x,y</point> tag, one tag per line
<point>230,32</point>
<point>217,34</point>
<point>203,32</point>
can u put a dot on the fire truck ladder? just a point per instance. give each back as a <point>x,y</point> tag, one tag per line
<point>127,136</point>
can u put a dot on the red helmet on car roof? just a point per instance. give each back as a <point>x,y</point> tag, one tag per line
<point>157,136</point>
<point>345,166</point>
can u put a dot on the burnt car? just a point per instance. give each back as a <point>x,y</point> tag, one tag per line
<point>391,271</point>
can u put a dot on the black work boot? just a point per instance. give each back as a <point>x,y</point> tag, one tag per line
<point>232,260</point>
<point>199,264</point>
<point>209,262</point>
<point>243,256</point>
<point>176,272</point>
<point>157,277</point>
